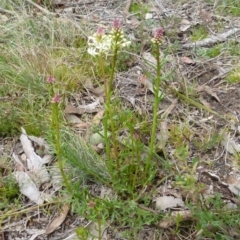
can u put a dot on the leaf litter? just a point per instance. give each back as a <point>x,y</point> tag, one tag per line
<point>32,172</point>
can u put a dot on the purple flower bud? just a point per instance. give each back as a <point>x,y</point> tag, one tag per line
<point>91,204</point>
<point>158,36</point>
<point>116,24</point>
<point>50,79</point>
<point>100,31</point>
<point>56,99</point>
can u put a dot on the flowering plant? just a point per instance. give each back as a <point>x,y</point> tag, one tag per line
<point>101,43</point>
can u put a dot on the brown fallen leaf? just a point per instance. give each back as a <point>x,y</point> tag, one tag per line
<point>170,108</point>
<point>230,144</point>
<point>98,91</point>
<point>163,134</point>
<point>233,185</point>
<point>133,22</point>
<point>187,60</point>
<point>72,118</point>
<point>204,102</point>
<point>97,117</point>
<point>82,125</point>
<point>209,91</point>
<point>80,110</point>
<point>58,220</point>
<point>164,202</point>
<point>169,221</point>
<point>73,110</point>
<point>185,25</point>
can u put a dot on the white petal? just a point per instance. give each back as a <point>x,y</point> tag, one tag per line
<point>92,51</point>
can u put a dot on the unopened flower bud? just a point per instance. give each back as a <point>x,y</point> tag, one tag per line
<point>50,79</point>
<point>56,99</point>
<point>100,31</point>
<point>157,39</point>
<point>116,25</point>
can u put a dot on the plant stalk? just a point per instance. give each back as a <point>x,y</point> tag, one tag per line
<point>57,141</point>
<point>110,113</point>
<point>157,100</point>
<point>106,115</point>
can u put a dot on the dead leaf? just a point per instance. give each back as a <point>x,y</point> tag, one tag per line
<point>169,221</point>
<point>82,125</point>
<point>58,220</point>
<point>99,91</point>
<point>35,163</point>
<point>185,25</point>
<point>94,231</point>
<point>187,60</point>
<point>133,22</point>
<point>150,59</point>
<point>170,108</point>
<point>204,102</point>
<point>88,84</point>
<point>90,108</point>
<point>205,16</point>
<point>4,18</point>
<point>162,203</point>
<point>40,142</point>
<point>230,145</point>
<point>20,165</point>
<point>31,171</point>
<point>97,118</point>
<point>34,159</point>
<point>163,134</point>
<point>233,185</point>
<point>37,233</point>
<point>147,83</point>
<point>209,91</point>
<point>72,119</point>
<point>69,109</point>
<point>28,187</point>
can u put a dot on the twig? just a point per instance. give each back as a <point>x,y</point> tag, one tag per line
<point>160,5</point>
<point>41,8</point>
<point>7,11</point>
<point>148,209</point>
<point>213,39</point>
<point>126,9</point>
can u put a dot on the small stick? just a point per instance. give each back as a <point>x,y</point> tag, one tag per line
<point>7,11</point>
<point>41,8</point>
<point>126,9</point>
<point>212,40</point>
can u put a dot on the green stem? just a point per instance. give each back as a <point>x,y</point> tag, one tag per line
<point>138,160</point>
<point>112,72</point>
<point>105,121</point>
<point>56,139</point>
<point>157,99</point>
<point>102,62</point>
<point>99,227</point>
<point>109,110</point>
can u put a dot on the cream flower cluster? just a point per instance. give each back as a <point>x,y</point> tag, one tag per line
<point>101,43</point>
<point>118,40</point>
